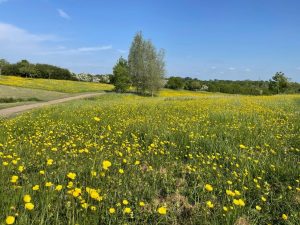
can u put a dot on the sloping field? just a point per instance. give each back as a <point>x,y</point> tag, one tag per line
<point>54,85</point>
<point>125,159</point>
<point>20,96</point>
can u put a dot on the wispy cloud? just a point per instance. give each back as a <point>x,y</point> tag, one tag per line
<point>231,68</point>
<point>12,34</point>
<point>71,51</point>
<point>63,14</point>
<point>247,69</point>
<point>298,68</point>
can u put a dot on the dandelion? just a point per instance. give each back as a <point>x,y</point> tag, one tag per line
<point>21,168</point>
<point>112,210</point>
<point>49,162</point>
<point>96,118</point>
<point>71,175</point>
<point>238,202</point>
<point>10,220</point>
<point>106,164</point>
<point>162,210</point>
<point>127,210</point>
<point>209,204</point>
<point>58,187</point>
<point>48,184</point>
<point>142,204</point>
<point>125,202</point>
<point>36,187</point>
<point>27,198</point>
<point>242,146</point>
<point>225,208</point>
<point>258,208</point>
<point>230,193</point>
<point>29,206</point>
<point>284,217</point>
<point>208,187</point>
<point>14,179</point>
<point>121,171</point>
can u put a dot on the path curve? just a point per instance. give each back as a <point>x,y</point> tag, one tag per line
<point>22,108</point>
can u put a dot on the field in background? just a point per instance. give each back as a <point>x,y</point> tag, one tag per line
<point>126,159</point>
<point>21,96</point>
<point>183,93</point>
<point>55,85</point>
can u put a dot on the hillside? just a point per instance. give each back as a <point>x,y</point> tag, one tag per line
<point>65,86</point>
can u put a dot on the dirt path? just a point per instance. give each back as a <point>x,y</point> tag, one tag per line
<point>22,108</point>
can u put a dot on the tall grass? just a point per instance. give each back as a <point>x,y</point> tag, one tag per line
<point>204,160</point>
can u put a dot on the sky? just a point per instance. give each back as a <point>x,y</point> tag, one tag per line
<point>212,39</point>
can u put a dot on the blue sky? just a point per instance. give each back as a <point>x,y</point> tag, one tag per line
<point>241,39</point>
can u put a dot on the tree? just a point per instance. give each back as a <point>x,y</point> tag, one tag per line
<point>28,70</point>
<point>3,63</point>
<point>121,77</point>
<point>146,65</point>
<point>279,83</point>
<point>175,83</point>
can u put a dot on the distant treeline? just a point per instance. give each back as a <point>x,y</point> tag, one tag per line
<point>278,84</point>
<point>24,68</point>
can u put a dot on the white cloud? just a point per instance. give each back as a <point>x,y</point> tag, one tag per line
<point>69,51</point>
<point>17,43</point>
<point>12,34</point>
<point>231,68</point>
<point>63,14</point>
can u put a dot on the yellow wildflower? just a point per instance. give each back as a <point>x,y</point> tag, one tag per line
<point>162,210</point>
<point>112,210</point>
<point>27,198</point>
<point>10,220</point>
<point>106,164</point>
<point>208,187</point>
<point>29,206</point>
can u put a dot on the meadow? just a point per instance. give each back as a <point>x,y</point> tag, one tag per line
<point>65,86</point>
<point>126,159</point>
<point>12,96</point>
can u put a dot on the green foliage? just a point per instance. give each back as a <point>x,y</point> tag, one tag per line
<point>27,69</point>
<point>279,83</point>
<point>175,83</point>
<point>3,63</point>
<point>121,77</point>
<point>146,66</point>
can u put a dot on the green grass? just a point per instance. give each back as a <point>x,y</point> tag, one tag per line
<point>54,85</point>
<point>21,96</point>
<point>169,150</point>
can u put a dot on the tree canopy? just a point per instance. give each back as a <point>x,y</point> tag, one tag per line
<point>121,78</point>
<point>146,65</point>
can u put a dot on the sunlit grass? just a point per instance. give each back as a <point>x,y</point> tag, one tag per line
<point>54,85</point>
<point>126,159</point>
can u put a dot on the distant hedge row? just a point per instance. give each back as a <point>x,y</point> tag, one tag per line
<point>278,84</point>
<point>27,69</point>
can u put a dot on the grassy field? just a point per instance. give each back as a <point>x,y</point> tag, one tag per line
<point>23,96</point>
<point>125,159</point>
<point>54,85</point>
